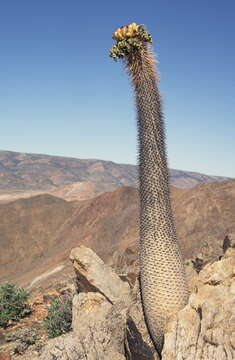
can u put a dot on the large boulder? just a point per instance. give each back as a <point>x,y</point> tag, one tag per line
<point>106,325</point>
<point>205,328</point>
<point>88,308</point>
<point>99,313</point>
<point>93,275</point>
<point>98,340</point>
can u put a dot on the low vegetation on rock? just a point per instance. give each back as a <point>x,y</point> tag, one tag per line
<point>59,318</point>
<point>22,339</point>
<point>13,304</point>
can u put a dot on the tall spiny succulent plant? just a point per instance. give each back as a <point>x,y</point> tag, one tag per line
<point>162,277</point>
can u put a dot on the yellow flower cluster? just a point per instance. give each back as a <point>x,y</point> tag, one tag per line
<point>125,31</point>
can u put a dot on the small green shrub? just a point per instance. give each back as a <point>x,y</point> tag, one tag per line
<point>59,318</point>
<point>26,336</point>
<point>22,339</point>
<point>12,303</point>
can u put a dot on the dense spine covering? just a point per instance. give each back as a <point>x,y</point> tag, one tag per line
<point>162,277</point>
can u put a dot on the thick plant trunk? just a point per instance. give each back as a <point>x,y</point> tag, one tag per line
<point>162,277</point>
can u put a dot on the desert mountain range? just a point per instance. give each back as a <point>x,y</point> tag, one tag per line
<point>34,172</point>
<point>37,233</point>
<point>49,204</point>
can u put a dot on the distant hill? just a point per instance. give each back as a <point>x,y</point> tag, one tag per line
<point>36,234</point>
<point>20,171</point>
<point>40,231</point>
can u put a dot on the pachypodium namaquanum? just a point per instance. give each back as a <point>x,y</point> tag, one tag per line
<point>164,289</point>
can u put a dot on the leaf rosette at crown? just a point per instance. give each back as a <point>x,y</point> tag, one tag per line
<point>130,38</point>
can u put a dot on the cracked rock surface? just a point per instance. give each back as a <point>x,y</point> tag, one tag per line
<point>99,313</point>
<point>93,275</point>
<point>205,328</point>
<point>101,340</point>
<point>108,327</point>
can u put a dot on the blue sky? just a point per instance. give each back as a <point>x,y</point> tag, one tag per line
<point>61,94</point>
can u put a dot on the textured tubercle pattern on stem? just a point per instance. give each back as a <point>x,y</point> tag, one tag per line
<point>163,282</point>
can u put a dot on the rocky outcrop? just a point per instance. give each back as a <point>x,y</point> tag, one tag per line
<point>89,308</point>
<point>109,324</point>
<point>205,328</point>
<point>93,275</point>
<point>99,313</point>
<point>99,340</point>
